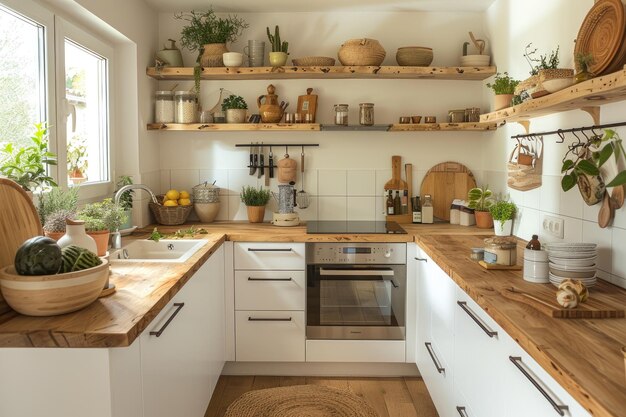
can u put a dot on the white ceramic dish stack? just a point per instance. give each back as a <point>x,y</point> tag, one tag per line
<point>572,260</point>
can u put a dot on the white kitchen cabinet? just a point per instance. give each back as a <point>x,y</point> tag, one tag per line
<point>182,349</point>
<point>269,256</point>
<point>270,290</point>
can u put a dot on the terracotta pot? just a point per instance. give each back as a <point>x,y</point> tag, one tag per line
<point>502,101</point>
<point>483,219</point>
<point>54,235</point>
<point>278,59</point>
<point>212,55</point>
<point>102,240</point>
<point>77,176</point>
<point>256,214</point>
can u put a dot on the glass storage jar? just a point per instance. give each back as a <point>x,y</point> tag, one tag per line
<point>185,107</point>
<point>501,250</point>
<point>341,114</point>
<point>164,107</point>
<point>366,114</point>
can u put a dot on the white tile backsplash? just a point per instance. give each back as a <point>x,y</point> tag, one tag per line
<point>239,178</point>
<point>184,179</point>
<point>332,208</point>
<point>382,176</point>
<point>220,176</point>
<point>361,208</point>
<point>165,181</point>
<point>361,183</point>
<point>236,209</point>
<point>619,252</point>
<point>332,182</point>
<point>592,233</point>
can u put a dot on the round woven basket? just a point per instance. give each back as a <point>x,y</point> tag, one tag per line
<point>414,56</point>
<point>313,61</point>
<point>361,52</point>
<point>169,216</point>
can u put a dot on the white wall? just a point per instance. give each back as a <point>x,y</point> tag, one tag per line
<point>347,172</point>
<point>511,26</point>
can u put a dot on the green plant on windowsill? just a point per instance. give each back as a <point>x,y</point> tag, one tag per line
<point>27,165</point>
<point>77,157</point>
<point>57,200</point>
<point>503,84</point>
<point>234,102</point>
<point>251,196</point>
<point>104,215</point>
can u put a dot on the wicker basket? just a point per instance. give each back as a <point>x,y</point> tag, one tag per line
<point>365,52</point>
<point>414,56</point>
<point>313,61</point>
<point>169,216</point>
<point>206,193</point>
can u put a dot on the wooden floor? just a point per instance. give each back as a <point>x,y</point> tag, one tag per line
<point>390,397</point>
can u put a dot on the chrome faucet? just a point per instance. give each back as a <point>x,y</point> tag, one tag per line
<point>116,237</point>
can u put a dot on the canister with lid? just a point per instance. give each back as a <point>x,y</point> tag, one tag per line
<point>206,201</point>
<point>501,250</point>
<point>185,108</point>
<point>341,114</point>
<point>164,107</point>
<point>466,216</point>
<point>366,114</point>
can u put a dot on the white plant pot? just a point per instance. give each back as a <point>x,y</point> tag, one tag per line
<point>236,115</point>
<point>503,229</point>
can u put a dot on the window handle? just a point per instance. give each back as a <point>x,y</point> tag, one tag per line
<point>70,110</point>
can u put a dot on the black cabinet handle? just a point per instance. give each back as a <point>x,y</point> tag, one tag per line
<point>269,319</point>
<point>461,411</point>
<point>269,250</point>
<point>429,348</point>
<point>421,259</point>
<point>480,324</point>
<point>158,333</point>
<point>517,361</point>
<point>269,279</point>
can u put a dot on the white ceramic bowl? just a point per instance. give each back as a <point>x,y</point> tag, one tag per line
<point>571,274</point>
<point>475,60</point>
<point>570,268</point>
<point>232,59</point>
<point>574,262</point>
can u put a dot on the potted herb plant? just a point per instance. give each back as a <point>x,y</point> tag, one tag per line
<point>235,108</point>
<point>546,76</point>
<point>77,160</point>
<point>126,200</point>
<point>255,200</point>
<point>481,199</point>
<point>208,34</point>
<point>100,219</point>
<point>503,212</point>
<point>583,61</point>
<point>54,207</point>
<point>28,165</point>
<point>504,88</point>
<point>279,54</point>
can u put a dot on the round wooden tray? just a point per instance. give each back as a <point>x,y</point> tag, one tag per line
<point>602,35</point>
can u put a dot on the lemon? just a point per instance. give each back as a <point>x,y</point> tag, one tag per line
<point>170,203</point>
<point>172,195</point>
<point>184,201</point>
<point>184,194</point>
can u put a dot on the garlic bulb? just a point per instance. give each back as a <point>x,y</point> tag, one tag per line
<point>567,297</point>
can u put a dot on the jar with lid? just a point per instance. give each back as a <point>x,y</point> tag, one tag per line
<point>427,209</point>
<point>164,107</point>
<point>501,250</point>
<point>185,107</point>
<point>341,114</point>
<point>366,114</point>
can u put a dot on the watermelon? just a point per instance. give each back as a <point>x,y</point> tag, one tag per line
<point>39,255</point>
<point>75,258</point>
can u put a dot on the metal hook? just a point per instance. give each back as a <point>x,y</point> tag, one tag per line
<point>561,135</point>
<point>577,137</point>
<point>302,151</point>
<point>585,134</point>
<point>286,151</point>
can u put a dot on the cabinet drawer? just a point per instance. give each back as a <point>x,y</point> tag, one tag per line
<point>269,290</point>
<point>355,350</point>
<point>274,256</point>
<point>270,336</point>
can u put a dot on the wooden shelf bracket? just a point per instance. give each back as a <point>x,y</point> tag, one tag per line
<point>594,112</point>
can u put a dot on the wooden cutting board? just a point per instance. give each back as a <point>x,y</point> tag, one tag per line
<point>18,221</point>
<point>543,298</point>
<point>445,182</point>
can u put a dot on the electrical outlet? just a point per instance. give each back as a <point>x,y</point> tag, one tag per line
<point>554,226</point>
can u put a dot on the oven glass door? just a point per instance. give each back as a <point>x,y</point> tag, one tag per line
<point>355,302</point>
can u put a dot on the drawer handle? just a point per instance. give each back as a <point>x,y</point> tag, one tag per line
<point>429,348</point>
<point>269,250</point>
<point>517,361</point>
<point>461,411</point>
<point>421,259</point>
<point>470,313</point>
<point>269,319</point>
<point>158,333</point>
<point>269,279</point>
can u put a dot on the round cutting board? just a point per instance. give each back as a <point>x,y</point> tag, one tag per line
<point>445,182</point>
<point>18,221</point>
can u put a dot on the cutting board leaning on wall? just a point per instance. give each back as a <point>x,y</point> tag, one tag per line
<point>445,182</point>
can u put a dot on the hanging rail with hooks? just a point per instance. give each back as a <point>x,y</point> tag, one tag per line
<point>562,132</point>
<point>276,145</point>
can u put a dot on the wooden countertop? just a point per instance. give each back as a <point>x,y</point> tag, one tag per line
<point>583,355</point>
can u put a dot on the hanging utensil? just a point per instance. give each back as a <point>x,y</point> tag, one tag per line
<point>251,165</point>
<point>261,162</point>
<point>302,199</point>
<point>271,164</point>
<point>287,169</point>
<point>255,157</point>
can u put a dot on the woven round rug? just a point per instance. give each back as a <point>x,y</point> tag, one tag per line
<point>300,401</point>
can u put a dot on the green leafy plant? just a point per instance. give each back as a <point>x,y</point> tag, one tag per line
<point>234,102</point>
<point>27,165</point>
<point>543,62</point>
<point>583,61</point>
<point>255,196</point>
<point>503,210</point>
<point>155,235</point>
<point>206,27</point>
<point>126,199</point>
<point>57,200</point>
<point>480,198</point>
<point>104,215</point>
<point>56,221</point>
<point>277,45</point>
<point>77,156</point>
<point>588,157</point>
<point>503,84</point>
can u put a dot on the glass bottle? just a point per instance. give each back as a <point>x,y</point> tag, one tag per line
<point>366,114</point>
<point>427,209</point>
<point>390,207</point>
<point>397,203</point>
<point>405,202</point>
<point>417,210</point>
<point>341,114</point>
<point>534,243</point>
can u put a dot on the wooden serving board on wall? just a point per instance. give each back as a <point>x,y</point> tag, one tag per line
<point>445,182</point>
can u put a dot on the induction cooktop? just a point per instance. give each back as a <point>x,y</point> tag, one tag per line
<point>354,227</point>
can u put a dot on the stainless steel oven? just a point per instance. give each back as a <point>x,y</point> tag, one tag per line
<point>356,291</point>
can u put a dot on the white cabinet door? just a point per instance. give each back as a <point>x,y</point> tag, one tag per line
<point>216,316</point>
<point>176,357</point>
<point>271,256</point>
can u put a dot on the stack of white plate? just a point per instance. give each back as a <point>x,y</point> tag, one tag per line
<point>572,260</point>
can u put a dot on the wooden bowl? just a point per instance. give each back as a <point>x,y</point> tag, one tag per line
<point>313,61</point>
<point>414,56</point>
<point>50,295</point>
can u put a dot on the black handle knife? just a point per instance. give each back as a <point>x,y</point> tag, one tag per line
<point>270,162</point>
<point>252,167</point>
<point>255,159</point>
<point>261,164</point>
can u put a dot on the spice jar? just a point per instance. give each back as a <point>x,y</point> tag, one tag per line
<point>164,107</point>
<point>501,250</point>
<point>341,114</point>
<point>185,107</point>
<point>455,212</point>
<point>366,114</point>
<point>466,216</point>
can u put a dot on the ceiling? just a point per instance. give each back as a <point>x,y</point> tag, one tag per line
<point>243,6</point>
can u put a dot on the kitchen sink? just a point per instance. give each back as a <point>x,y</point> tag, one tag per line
<point>166,250</point>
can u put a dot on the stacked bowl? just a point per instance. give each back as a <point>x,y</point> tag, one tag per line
<point>572,260</point>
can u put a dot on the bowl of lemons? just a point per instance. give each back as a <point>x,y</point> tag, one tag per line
<point>173,208</point>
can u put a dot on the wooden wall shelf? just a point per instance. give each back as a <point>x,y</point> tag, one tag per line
<point>315,127</point>
<point>587,96</point>
<point>268,73</point>
<point>443,127</point>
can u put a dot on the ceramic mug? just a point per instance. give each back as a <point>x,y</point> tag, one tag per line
<point>405,120</point>
<point>416,119</point>
<point>232,59</point>
<point>430,119</point>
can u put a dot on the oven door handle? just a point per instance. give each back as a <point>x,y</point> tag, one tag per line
<point>355,272</point>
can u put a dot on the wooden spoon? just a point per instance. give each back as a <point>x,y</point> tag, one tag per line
<point>607,211</point>
<point>617,195</point>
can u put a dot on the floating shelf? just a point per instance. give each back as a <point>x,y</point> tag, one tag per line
<point>357,128</point>
<point>315,127</point>
<point>234,127</point>
<point>335,72</point>
<point>443,127</point>
<point>587,96</point>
